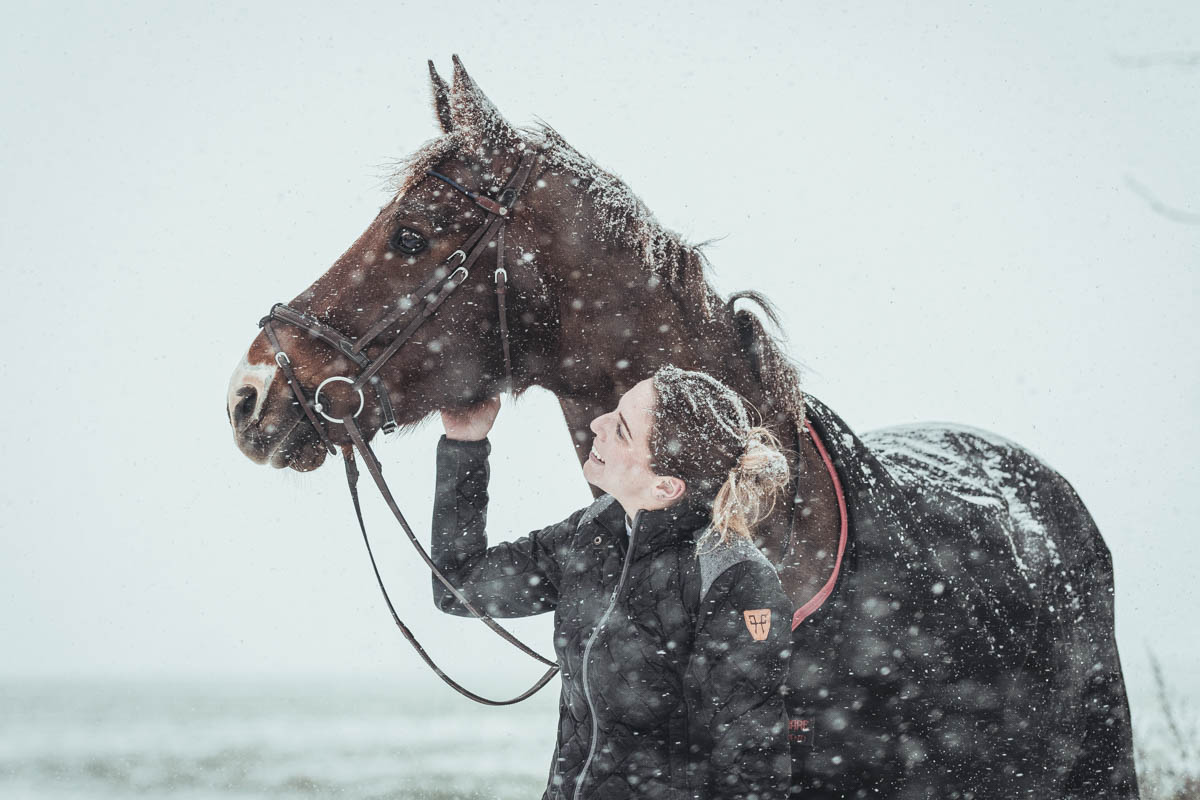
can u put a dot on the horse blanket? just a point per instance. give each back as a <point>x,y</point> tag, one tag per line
<point>967,647</point>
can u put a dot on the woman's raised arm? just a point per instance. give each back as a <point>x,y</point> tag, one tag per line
<point>511,579</point>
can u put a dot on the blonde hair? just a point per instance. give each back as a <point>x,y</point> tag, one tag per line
<point>749,494</point>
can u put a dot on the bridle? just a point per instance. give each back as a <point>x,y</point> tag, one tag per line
<point>424,302</point>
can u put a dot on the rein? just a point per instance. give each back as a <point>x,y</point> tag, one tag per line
<point>441,284</point>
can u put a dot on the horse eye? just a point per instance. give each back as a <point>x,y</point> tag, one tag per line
<point>406,240</point>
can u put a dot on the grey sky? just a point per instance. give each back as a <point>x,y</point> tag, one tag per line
<point>948,203</point>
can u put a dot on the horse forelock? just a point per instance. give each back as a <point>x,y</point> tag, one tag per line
<point>410,170</point>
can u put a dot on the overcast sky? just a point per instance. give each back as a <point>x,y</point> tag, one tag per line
<point>953,206</point>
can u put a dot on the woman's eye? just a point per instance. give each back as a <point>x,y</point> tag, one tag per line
<point>619,434</point>
<point>406,240</point>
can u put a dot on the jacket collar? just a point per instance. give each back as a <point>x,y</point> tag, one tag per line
<point>654,529</point>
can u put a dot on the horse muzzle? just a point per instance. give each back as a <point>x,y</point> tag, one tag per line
<point>280,437</point>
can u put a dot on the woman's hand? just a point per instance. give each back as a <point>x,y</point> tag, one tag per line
<point>471,424</point>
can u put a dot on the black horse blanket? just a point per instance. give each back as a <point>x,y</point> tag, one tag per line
<point>967,647</point>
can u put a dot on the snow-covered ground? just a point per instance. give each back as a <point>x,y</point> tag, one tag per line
<point>250,740</point>
<point>197,740</point>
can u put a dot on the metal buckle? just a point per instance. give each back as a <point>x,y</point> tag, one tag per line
<point>285,362</point>
<point>496,274</point>
<point>321,409</point>
<point>452,274</point>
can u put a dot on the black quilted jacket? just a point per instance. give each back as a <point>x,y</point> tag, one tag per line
<point>673,665</point>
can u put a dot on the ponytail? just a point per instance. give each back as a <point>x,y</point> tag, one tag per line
<point>749,493</point>
<point>702,434</point>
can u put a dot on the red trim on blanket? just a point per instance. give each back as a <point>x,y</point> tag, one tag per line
<point>820,597</point>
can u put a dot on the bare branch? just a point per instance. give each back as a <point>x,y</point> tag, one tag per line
<point>1180,60</point>
<point>1167,706</point>
<point>1173,214</point>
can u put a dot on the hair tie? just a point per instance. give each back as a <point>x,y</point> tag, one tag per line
<point>739,464</point>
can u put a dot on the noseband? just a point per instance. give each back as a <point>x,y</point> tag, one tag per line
<point>424,302</point>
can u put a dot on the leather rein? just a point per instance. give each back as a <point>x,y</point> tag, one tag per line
<point>424,302</point>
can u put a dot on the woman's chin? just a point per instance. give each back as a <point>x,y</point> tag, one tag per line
<point>589,474</point>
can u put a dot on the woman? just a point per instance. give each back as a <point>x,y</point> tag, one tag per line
<point>671,628</point>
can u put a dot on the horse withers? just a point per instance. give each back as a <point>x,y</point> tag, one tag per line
<point>954,633</point>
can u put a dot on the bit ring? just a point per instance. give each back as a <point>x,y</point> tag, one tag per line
<point>320,409</point>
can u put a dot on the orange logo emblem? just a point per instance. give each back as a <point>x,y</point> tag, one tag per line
<point>758,622</point>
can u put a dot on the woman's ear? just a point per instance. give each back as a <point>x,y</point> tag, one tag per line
<point>669,489</point>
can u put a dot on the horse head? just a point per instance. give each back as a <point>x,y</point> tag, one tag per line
<point>455,358</point>
<point>599,295</point>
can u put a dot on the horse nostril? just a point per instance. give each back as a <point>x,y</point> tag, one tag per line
<point>243,409</point>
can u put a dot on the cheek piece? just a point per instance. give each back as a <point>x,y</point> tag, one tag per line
<point>441,284</point>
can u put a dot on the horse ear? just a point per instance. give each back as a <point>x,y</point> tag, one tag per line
<point>471,110</point>
<point>441,99</point>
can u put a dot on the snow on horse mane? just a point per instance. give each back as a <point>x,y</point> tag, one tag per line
<point>622,216</point>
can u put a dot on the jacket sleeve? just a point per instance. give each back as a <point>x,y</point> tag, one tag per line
<point>735,685</point>
<point>511,579</point>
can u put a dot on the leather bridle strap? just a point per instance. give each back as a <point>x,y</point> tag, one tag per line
<point>430,295</point>
<point>469,253</point>
<point>420,294</point>
<point>376,471</point>
<point>285,364</point>
<point>501,278</point>
<point>344,345</point>
<point>431,306</point>
<point>374,468</point>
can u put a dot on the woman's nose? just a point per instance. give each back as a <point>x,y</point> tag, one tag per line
<point>595,425</point>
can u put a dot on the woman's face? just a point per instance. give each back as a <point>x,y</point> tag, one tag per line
<point>620,459</point>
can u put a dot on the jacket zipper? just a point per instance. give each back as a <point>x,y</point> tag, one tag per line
<point>587,650</point>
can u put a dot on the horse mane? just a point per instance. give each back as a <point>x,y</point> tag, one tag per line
<point>682,266</point>
<point>778,375</point>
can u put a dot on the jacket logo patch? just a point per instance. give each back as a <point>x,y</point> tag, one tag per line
<point>800,730</point>
<point>758,622</point>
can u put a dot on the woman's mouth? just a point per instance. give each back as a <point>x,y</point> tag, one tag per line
<point>593,457</point>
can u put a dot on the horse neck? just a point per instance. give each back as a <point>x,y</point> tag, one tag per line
<point>620,323</point>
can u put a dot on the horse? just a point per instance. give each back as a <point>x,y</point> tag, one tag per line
<point>954,625</point>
